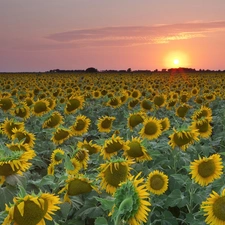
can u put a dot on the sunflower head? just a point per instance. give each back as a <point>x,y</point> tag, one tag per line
<point>165,123</point>
<point>133,103</point>
<point>8,125</point>
<point>131,202</point>
<point>40,107</point>
<point>32,209</point>
<point>146,105</point>
<point>214,207</point>
<point>203,112</point>
<point>113,173</point>
<point>135,119</point>
<point>54,120</point>
<point>136,150</point>
<point>22,111</point>
<point>113,146</point>
<point>81,125</point>
<point>73,104</point>
<point>82,156</point>
<point>183,138</point>
<point>6,103</point>
<point>114,102</point>
<point>105,123</point>
<point>60,135</point>
<point>152,128</point>
<point>182,110</point>
<point>77,185</point>
<point>203,126</point>
<point>57,156</point>
<point>206,169</point>
<point>157,182</point>
<point>159,100</point>
<point>89,146</point>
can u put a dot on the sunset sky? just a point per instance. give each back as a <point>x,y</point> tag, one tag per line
<point>41,35</point>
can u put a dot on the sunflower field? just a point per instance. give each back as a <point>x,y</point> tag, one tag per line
<point>112,148</point>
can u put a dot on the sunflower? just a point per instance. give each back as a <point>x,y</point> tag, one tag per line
<point>203,112</point>
<point>32,209</point>
<point>133,103</point>
<point>165,124</point>
<point>182,110</point>
<point>6,103</point>
<point>114,102</point>
<point>40,107</point>
<point>113,173</point>
<point>134,119</point>
<point>23,135</point>
<point>214,208</point>
<point>54,120</point>
<point>57,156</point>
<point>203,126</point>
<point>136,150</point>
<point>29,101</point>
<point>92,148</point>
<point>52,103</point>
<point>151,129</point>
<point>159,100</point>
<point>112,146</point>
<point>77,185</point>
<point>19,147</point>
<point>157,182</point>
<point>146,105</point>
<point>171,103</point>
<point>76,166</point>
<point>82,157</point>
<point>96,94</point>
<point>73,104</point>
<point>105,123</point>
<point>60,135</point>
<point>15,162</point>
<point>135,93</point>
<point>131,202</point>
<point>22,111</point>
<point>206,169</point>
<point>8,125</point>
<point>183,138</point>
<point>80,126</point>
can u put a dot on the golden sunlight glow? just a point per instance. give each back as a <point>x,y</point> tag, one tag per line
<point>176,62</point>
<point>176,59</point>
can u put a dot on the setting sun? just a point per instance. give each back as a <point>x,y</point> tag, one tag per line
<point>176,61</point>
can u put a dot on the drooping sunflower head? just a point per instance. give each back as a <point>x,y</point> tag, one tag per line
<point>60,135</point>
<point>183,138</point>
<point>19,147</point>
<point>112,146</point>
<point>105,123</point>
<point>157,182</point>
<point>203,112</point>
<point>134,119</point>
<point>32,209</point>
<point>89,146</point>
<point>57,156</point>
<point>23,135</point>
<point>81,125</point>
<point>206,169</point>
<point>132,103</point>
<point>73,104</point>
<point>40,107</point>
<point>54,120</point>
<point>77,185</point>
<point>113,173</point>
<point>114,102</point>
<point>8,125</point>
<point>146,105</point>
<point>159,100</point>
<point>136,150</point>
<point>82,156</point>
<point>6,103</point>
<point>151,129</point>
<point>14,162</point>
<point>182,110</point>
<point>203,126</point>
<point>22,111</point>
<point>171,103</point>
<point>132,199</point>
<point>165,123</point>
<point>214,208</point>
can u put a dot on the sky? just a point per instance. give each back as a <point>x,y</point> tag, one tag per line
<point>42,35</point>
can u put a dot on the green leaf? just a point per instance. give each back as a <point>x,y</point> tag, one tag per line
<point>101,221</point>
<point>106,203</point>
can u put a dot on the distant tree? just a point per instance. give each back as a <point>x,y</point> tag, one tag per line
<point>129,70</point>
<point>91,70</point>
